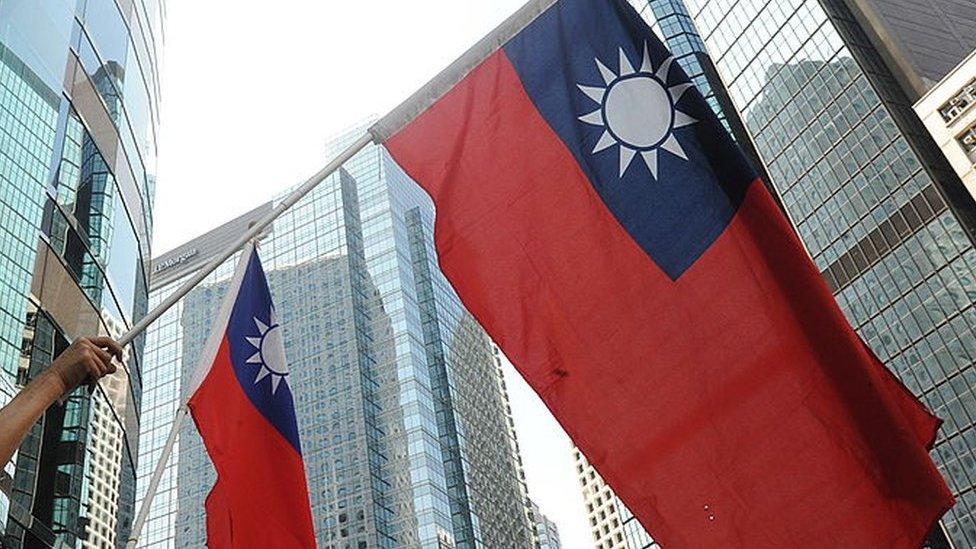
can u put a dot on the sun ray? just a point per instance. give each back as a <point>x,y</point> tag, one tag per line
<point>683,119</point>
<point>679,90</point>
<point>262,373</point>
<point>593,92</point>
<point>664,70</point>
<point>275,380</point>
<point>595,118</point>
<point>650,160</point>
<point>256,341</point>
<point>626,157</point>
<point>625,66</point>
<point>647,66</point>
<point>672,145</point>
<point>255,359</point>
<point>262,327</point>
<point>608,75</point>
<point>606,140</point>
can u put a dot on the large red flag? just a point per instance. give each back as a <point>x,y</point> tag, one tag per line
<point>244,409</point>
<point>596,218</point>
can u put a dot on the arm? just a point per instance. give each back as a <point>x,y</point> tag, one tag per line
<point>87,358</point>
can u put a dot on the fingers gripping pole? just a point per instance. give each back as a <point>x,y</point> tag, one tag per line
<point>205,271</point>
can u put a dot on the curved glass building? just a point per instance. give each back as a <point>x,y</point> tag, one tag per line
<point>78,117</point>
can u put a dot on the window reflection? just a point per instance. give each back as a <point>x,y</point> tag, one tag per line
<point>38,34</point>
<point>111,61</point>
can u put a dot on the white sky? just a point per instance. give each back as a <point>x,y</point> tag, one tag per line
<point>251,93</point>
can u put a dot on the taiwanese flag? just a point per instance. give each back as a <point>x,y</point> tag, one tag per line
<point>245,413</point>
<point>596,218</point>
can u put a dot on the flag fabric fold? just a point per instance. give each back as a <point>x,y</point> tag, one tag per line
<point>597,219</point>
<point>244,410</point>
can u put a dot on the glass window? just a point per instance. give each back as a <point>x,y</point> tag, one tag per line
<point>38,34</point>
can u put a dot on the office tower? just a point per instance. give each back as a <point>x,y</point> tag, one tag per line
<point>611,523</point>
<point>401,405</point>
<point>531,510</point>
<point>78,116</point>
<point>948,110</point>
<point>879,209</point>
<point>546,531</point>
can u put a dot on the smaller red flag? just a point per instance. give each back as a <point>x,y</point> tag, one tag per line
<point>244,410</point>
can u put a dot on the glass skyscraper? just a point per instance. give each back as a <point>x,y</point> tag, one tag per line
<point>881,213</point>
<point>401,406</point>
<point>78,117</point>
<point>546,531</point>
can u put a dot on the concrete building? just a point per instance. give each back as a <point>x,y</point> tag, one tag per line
<point>403,414</point>
<point>948,110</point>
<point>531,510</point>
<point>825,88</point>
<point>78,117</point>
<point>611,523</point>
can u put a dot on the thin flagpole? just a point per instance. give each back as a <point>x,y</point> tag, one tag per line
<point>210,267</point>
<point>251,233</point>
<point>204,364</point>
<point>157,476</point>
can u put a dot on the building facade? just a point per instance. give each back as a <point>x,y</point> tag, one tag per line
<point>545,530</point>
<point>548,535</point>
<point>948,110</point>
<point>401,405</point>
<point>611,523</point>
<point>78,118</point>
<point>879,209</point>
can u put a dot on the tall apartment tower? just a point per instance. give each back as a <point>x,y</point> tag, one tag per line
<point>401,406</point>
<point>78,116</point>
<point>825,88</point>
<point>545,532</point>
<point>948,110</point>
<point>611,524</point>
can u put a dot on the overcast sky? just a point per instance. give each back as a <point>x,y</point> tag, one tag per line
<point>251,92</point>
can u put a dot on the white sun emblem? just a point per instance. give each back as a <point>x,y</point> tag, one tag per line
<point>270,353</point>
<point>638,111</point>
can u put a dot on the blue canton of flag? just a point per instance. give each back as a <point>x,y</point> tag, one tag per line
<point>633,100</point>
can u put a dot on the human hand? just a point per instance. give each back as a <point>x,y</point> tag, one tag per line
<point>88,358</point>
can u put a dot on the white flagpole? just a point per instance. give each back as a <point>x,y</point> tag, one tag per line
<point>156,477</point>
<point>210,267</point>
<point>251,233</point>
